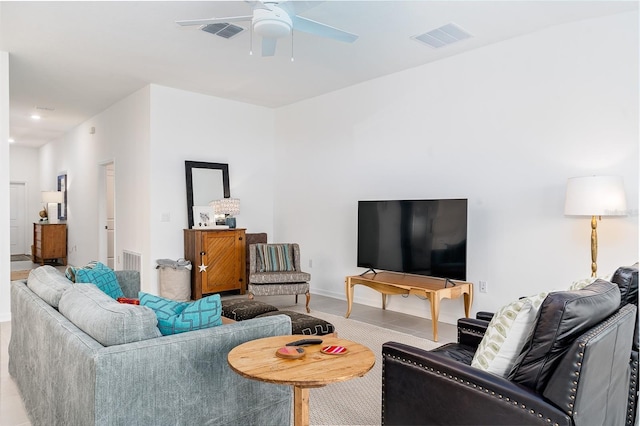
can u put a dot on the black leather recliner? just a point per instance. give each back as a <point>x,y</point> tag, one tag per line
<point>574,370</point>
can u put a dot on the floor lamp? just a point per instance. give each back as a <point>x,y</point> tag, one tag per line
<point>595,196</point>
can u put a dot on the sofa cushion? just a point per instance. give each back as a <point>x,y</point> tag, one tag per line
<point>506,335</point>
<point>48,283</point>
<point>274,258</point>
<point>178,317</point>
<point>103,277</point>
<point>279,277</point>
<point>107,321</point>
<point>562,316</point>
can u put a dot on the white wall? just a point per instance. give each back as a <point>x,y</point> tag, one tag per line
<point>122,136</point>
<point>503,126</point>
<point>5,243</point>
<point>190,126</point>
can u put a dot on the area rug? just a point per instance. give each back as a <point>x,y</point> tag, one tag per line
<point>357,401</point>
<point>19,257</point>
<point>20,275</point>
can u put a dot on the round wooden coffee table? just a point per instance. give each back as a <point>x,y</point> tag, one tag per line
<point>257,360</point>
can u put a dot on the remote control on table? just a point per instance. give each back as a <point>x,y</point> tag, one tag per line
<point>305,342</point>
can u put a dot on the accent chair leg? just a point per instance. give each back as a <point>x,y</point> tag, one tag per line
<point>308,299</point>
<point>296,299</point>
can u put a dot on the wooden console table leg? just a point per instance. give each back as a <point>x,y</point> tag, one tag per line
<point>384,301</point>
<point>349,290</point>
<point>435,312</point>
<point>468,300</point>
<point>300,406</point>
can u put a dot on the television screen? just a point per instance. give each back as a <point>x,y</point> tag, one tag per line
<point>424,237</point>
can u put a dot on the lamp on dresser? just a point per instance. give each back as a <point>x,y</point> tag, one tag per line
<point>595,196</point>
<point>230,207</point>
<point>50,199</point>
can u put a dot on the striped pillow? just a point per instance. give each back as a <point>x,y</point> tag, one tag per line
<point>274,258</point>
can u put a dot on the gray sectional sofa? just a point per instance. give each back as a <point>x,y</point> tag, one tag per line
<point>67,377</point>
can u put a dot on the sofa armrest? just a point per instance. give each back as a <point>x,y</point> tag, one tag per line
<point>471,331</point>
<point>421,387</point>
<point>129,283</point>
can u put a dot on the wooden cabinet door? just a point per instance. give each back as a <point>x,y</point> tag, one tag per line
<point>224,254</point>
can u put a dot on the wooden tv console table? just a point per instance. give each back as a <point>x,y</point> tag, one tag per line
<point>432,288</point>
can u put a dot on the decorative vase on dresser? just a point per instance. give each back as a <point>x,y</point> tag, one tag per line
<point>49,242</point>
<point>218,258</point>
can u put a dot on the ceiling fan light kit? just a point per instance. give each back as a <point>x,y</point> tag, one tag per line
<point>273,21</point>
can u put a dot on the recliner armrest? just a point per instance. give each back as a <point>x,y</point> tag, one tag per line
<point>471,331</point>
<point>425,388</point>
<point>484,315</point>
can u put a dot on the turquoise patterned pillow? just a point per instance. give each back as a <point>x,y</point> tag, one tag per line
<point>274,258</point>
<point>179,317</point>
<point>103,277</point>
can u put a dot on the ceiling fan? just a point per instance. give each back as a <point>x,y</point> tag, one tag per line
<point>274,20</point>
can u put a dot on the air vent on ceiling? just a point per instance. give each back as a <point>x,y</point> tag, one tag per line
<point>223,29</point>
<point>443,36</point>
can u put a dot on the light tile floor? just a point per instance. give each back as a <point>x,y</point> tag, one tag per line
<point>12,412</point>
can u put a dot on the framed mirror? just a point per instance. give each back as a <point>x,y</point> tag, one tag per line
<point>205,182</point>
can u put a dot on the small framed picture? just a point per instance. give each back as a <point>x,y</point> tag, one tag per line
<point>62,187</point>
<point>203,217</point>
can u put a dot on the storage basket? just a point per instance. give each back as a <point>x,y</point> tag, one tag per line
<point>175,280</point>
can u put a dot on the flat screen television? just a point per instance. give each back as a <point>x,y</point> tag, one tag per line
<point>424,237</point>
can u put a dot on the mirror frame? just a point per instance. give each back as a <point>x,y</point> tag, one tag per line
<point>188,167</point>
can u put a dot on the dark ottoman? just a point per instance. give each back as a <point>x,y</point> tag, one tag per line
<point>304,324</point>
<point>243,309</point>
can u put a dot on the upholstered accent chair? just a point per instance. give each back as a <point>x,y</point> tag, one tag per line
<point>274,269</point>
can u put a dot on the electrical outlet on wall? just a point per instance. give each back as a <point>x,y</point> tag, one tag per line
<point>482,286</point>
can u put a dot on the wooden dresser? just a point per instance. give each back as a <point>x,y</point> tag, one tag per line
<point>218,258</point>
<point>49,242</point>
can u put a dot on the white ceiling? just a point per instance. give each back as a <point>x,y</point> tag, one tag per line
<point>77,58</point>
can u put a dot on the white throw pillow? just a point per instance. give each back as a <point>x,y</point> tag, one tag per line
<point>580,284</point>
<point>506,335</point>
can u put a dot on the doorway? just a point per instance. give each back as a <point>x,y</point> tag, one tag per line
<point>107,214</point>
<point>17,215</point>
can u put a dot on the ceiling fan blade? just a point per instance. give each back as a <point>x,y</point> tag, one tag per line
<point>316,28</point>
<point>297,7</point>
<point>258,4</point>
<point>268,46</point>
<point>214,20</point>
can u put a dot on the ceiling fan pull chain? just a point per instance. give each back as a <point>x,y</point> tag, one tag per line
<point>291,46</point>
<point>251,40</point>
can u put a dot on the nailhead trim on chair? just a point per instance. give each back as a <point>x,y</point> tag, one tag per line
<point>631,410</point>
<point>467,383</point>
<point>469,331</point>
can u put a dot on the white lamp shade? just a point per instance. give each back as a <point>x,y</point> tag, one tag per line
<point>230,206</point>
<point>52,197</point>
<point>595,196</point>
